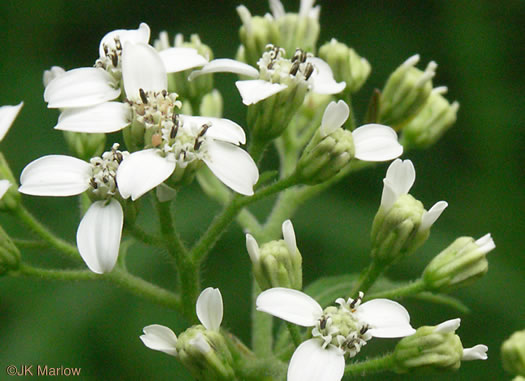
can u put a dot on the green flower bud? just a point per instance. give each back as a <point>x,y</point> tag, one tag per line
<point>431,122</point>
<point>255,33</point>
<point>298,31</point>
<point>461,263</point>
<point>205,354</point>
<point>9,254</point>
<point>277,263</point>
<point>211,104</point>
<point>346,64</point>
<point>513,353</point>
<point>405,92</point>
<point>430,347</point>
<point>518,378</point>
<point>85,145</point>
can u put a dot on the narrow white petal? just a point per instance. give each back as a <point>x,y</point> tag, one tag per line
<point>8,115</point>
<point>486,243</point>
<point>289,236</point>
<point>478,352</point>
<point>233,166</point>
<point>253,248</point>
<point>210,309</point>
<point>82,87</point>
<point>428,218</point>
<point>180,59</point>
<point>256,90</point>
<point>55,175</point>
<point>322,79</point>
<point>226,65</point>
<point>277,9</point>
<point>389,195</point>
<point>140,35</point>
<point>375,142</point>
<point>385,318</point>
<point>4,186</point>
<point>160,338</point>
<point>334,116</point>
<point>448,326</point>
<point>142,68</point>
<point>290,305</point>
<point>103,118</point>
<point>401,176</point>
<point>310,362</point>
<point>221,129</point>
<point>142,171</point>
<point>98,235</point>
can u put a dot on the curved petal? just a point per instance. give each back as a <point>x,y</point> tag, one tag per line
<point>334,116</point>
<point>140,35</point>
<point>401,176</point>
<point>385,318</point>
<point>142,171</point>
<point>8,115</point>
<point>160,338</point>
<point>428,218</point>
<point>98,235</point>
<point>180,59</point>
<point>322,79</point>
<point>256,90</point>
<point>221,129</point>
<point>289,236</point>
<point>375,142</point>
<point>389,195</point>
<point>210,309</point>
<point>82,87</point>
<point>226,65</point>
<point>448,326</point>
<point>142,68</point>
<point>310,362</point>
<point>485,243</point>
<point>4,186</point>
<point>290,305</point>
<point>478,352</point>
<point>51,74</point>
<point>233,166</point>
<point>253,248</point>
<point>55,175</point>
<point>103,118</point>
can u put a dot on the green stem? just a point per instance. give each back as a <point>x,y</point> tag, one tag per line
<point>267,369</point>
<point>294,333</point>
<point>410,289</point>
<point>143,236</point>
<point>367,278</point>
<point>131,283</point>
<point>29,244</point>
<point>262,327</point>
<point>248,222</point>
<point>375,365</point>
<point>256,149</point>
<point>40,230</point>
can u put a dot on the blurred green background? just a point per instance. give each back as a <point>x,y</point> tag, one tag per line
<point>477,167</point>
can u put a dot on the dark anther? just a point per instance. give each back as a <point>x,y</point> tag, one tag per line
<point>93,183</point>
<point>105,179</point>
<point>164,93</point>
<point>322,323</point>
<point>308,71</point>
<point>118,45</point>
<point>270,65</point>
<point>299,55</point>
<point>119,157</point>
<point>176,119</point>
<point>143,96</point>
<point>114,59</point>
<point>198,143</point>
<point>106,49</point>
<point>173,131</point>
<point>295,68</point>
<point>363,330</point>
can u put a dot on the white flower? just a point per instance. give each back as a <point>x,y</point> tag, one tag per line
<point>477,352</point>
<point>100,230</point>
<point>322,357</point>
<point>8,115</point>
<point>275,74</point>
<point>372,142</point>
<point>209,310</point>
<point>400,177</point>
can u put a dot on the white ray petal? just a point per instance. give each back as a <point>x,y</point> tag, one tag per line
<point>142,68</point>
<point>160,338</point>
<point>140,35</point>
<point>8,115</point>
<point>385,318</point>
<point>98,235</point>
<point>448,326</point>
<point>478,352</point>
<point>209,308</point>
<point>226,65</point>
<point>82,87</point>
<point>334,116</point>
<point>401,176</point>
<point>253,248</point>
<point>233,166</point>
<point>103,118</point>
<point>142,171</point>
<point>322,79</point>
<point>4,186</point>
<point>290,305</point>
<point>431,216</point>
<point>256,90</point>
<point>55,175</point>
<point>289,236</point>
<point>310,362</point>
<point>389,195</point>
<point>486,243</point>
<point>51,74</point>
<point>375,142</point>
<point>221,129</point>
<point>180,59</point>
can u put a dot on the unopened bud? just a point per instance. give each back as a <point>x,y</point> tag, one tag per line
<point>85,145</point>
<point>513,353</point>
<point>9,254</point>
<point>211,104</point>
<point>346,64</point>
<point>461,263</point>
